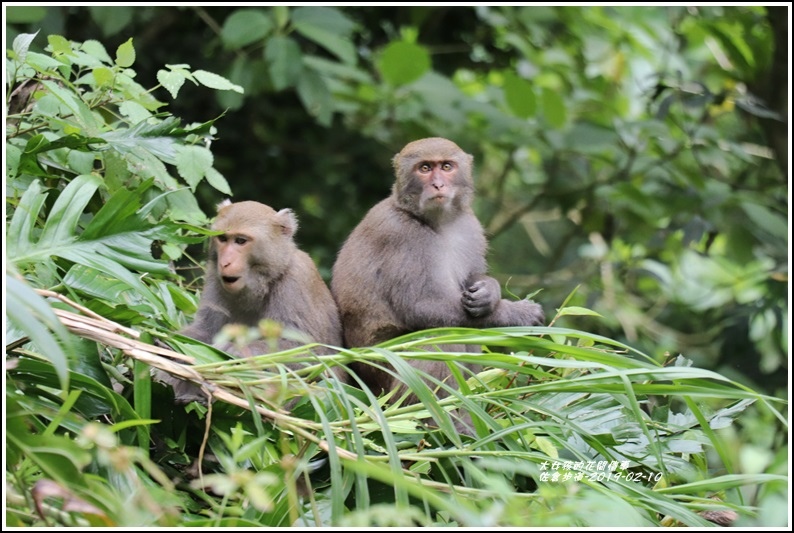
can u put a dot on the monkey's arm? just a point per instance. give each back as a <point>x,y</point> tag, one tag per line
<point>209,320</point>
<point>516,313</point>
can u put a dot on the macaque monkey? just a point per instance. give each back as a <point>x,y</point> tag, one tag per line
<point>417,261</point>
<point>255,271</point>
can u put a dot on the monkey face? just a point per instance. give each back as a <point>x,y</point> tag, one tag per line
<point>255,247</point>
<point>232,252</point>
<point>437,179</point>
<point>433,179</point>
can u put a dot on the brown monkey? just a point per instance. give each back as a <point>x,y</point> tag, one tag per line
<point>255,271</point>
<point>417,261</point>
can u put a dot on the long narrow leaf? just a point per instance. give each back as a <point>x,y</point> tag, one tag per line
<point>20,232</point>
<point>30,313</point>
<point>62,219</point>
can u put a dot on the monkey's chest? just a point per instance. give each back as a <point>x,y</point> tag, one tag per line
<point>452,261</point>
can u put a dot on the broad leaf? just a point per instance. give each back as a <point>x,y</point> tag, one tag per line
<point>285,61</point>
<point>519,95</point>
<point>245,26</point>
<point>214,81</point>
<point>315,96</point>
<point>402,62</point>
<point>327,27</point>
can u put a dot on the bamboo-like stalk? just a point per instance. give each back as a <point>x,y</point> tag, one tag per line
<point>107,332</point>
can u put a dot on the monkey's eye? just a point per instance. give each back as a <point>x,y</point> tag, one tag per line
<point>425,167</point>
<point>240,240</point>
<point>222,238</point>
<point>446,166</point>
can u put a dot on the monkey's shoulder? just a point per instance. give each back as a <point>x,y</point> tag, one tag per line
<point>303,264</point>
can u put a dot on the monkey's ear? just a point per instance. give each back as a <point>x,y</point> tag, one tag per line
<point>224,203</point>
<point>288,221</point>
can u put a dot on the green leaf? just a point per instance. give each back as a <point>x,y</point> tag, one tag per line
<point>155,139</point>
<point>171,80</point>
<point>64,215</point>
<point>81,162</point>
<point>607,510</point>
<point>91,282</point>
<point>334,69</point>
<point>245,26</point>
<point>32,314</point>
<point>22,43</point>
<point>184,207</point>
<point>82,59</point>
<point>38,143</point>
<point>28,161</point>
<point>13,155</point>
<point>117,171</point>
<point>219,182</point>
<point>142,400</point>
<point>134,111</point>
<point>103,76</point>
<point>79,109</point>
<point>285,61</point>
<point>113,242</point>
<point>96,398</point>
<point>546,446</point>
<point>59,45</point>
<point>553,107</point>
<point>315,96</point>
<point>214,81</point>
<point>117,215</point>
<point>192,163</point>
<point>60,457</point>
<point>758,108</point>
<point>125,54</point>
<point>339,46</point>
<point>327,27</point>
<point>41,62</point>
<point>96,49</point>
<point>402,62</point>
<point>767,219</point>
<point>20,232</point>
<point>735,46</point>
<point>519,95</point>
<point>578,311</point>
<point>112,19</point>
<point>330,19</point>
<point>281,15</point>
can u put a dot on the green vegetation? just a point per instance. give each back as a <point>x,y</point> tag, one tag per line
<point>631,164</point>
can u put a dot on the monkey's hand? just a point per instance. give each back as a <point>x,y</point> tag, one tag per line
<point>481,296</point>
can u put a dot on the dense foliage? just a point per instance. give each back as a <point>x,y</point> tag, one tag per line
<point>629,163</point>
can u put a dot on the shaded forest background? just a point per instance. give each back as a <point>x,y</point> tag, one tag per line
<point>633,161</point>
<point>637,153</point>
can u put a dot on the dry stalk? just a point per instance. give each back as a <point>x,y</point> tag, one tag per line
<point>107,332</point>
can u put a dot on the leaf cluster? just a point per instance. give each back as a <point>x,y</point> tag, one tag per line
<point>102,202</point>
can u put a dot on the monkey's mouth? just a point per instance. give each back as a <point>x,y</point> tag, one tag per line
<point>229,280</point>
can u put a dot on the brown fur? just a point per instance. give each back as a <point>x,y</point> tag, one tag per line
<point>417,261</point>
<point>254,272</point>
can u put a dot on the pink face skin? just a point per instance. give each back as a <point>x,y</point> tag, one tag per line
<point>232,265</point>
<point>437,178</point>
